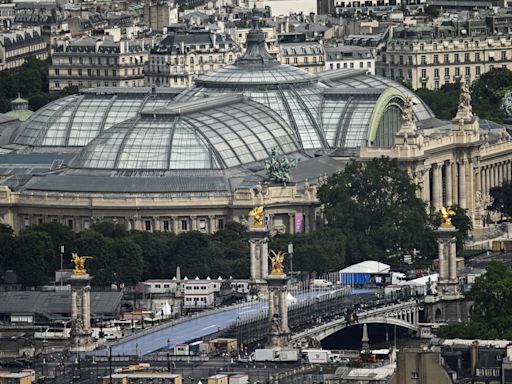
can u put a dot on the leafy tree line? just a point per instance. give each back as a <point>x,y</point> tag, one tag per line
<point>371,211</point>
<point>127,257</point>
<point>491,317</point>
<point>31,82</point>
<point>375,207</point>
<point>486,92</point>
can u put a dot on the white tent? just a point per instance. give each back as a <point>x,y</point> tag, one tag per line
<point>368,266</point>
<point>165,311</point>
<point>290,299</point>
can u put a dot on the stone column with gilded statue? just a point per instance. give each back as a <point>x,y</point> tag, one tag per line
<point>277,281</point>
<point>448,284</point>
<point>81,332</point>
<point>258,241</point>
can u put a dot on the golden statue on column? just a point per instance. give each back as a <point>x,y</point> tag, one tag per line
<point>277,258</point>
<point>259,215</point>
<point>446,217</point>
<point>79,262</point>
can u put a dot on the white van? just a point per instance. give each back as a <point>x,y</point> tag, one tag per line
<point>321,283</point>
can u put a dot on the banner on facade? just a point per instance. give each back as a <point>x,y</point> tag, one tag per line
<point>299,222</point>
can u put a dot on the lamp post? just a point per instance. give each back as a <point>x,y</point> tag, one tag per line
<point>290,252</point>
<point>168,357</point>
<point>110,364</point>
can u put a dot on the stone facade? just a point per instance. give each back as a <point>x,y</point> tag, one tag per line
<point>17,45</point>
<point>184,55</point>
<point>99,62</point>
<point>430,62</point>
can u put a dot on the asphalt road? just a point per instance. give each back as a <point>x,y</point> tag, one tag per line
<point>194,329</point>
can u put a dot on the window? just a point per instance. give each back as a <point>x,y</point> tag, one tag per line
<point>503,55</point>
<point>466,57</point>
<point>87,224</point>
<point>436,85</point>
<point>202,224</point>
<point>457,58</point>
<point>436,73</point>
<point>436,59</point>
<point>184,225</point>
<point>477,56</point>
<point>423,60</point>
<point>147,225</point>
<point>70,223</point>
<point>415,375</point>
<point>360,64</point>
<point>423,73</point>
<point>401,60</point>
<point>468,71</point>
<point>220,223</point>
<point>57,72</point>
<point>457,71</point>
<point>447,72</point>
<point>477,70</point>
<point>351,65</point>
<point>446,58</point>
<point>410,60</point>
<point>166,225</point>
<point>40,221</point>
<point>368,64</point>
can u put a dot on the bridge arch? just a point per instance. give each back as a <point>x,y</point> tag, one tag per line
<point>372,320</point>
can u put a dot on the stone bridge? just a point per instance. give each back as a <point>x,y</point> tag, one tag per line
<point>404,314</point>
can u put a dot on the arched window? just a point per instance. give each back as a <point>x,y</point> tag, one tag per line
<point>389,125</point>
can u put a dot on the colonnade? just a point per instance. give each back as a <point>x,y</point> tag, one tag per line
<point>495,174</point>
<point>448,182</point>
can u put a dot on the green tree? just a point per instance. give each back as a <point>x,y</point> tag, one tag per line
<point>443,102</point>
<point>128,263</point>
<point>59,235</point>
<point>492,311</point>
<point>91,243</point>
<point>376,207</point>
<point>110,229</point>
<point>38,100</point>
<point>502,198</point>
<point>32,258</point>
<point>156,252</point>
<point>191,252</point>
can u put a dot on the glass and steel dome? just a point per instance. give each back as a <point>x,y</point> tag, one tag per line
<point>73,121</point>
<point>217,133</point>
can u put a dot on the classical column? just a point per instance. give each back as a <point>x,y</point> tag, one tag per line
<point>487,179</point>
<point>437,180</point>
<point>494,176</point>
<point>212,224</point>
<point>175,224</point>
<point>156,223</point>
<point>462,183</point>
<point>264,257</point>
<point>453,260</point>
<point>254,264</point>
<point>426,186</point>
<point>449,184</point>
<point>291,223</point>
<point>442,263</point>
<point>500,174</point>
<point>283,310</point>
<point>193,223</point>
<point>509,170</point>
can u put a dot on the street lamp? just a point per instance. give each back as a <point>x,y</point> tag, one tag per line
<point>168,357</point>
<point>290,252</point>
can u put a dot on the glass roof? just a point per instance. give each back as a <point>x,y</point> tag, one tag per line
<point>359,80</point>
<point>236,75</point>
<point>75,120</point>
<point>211,137</point>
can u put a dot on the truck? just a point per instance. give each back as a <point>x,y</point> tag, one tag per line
<point>317,356</point>
<point>275,355</point>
